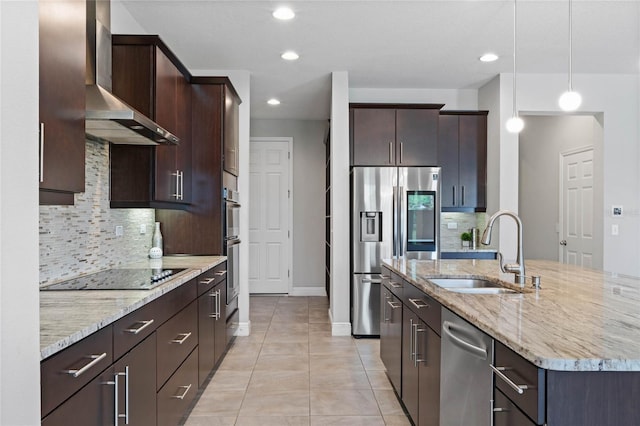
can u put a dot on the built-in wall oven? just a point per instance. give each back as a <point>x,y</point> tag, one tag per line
<point>232,248</point>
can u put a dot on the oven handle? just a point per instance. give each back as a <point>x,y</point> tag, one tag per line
<point>232,242</point>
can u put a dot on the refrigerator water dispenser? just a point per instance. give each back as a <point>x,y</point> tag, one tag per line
<point>371,226</point>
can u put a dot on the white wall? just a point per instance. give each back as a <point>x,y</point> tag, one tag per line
<point>308,196</point>
<point>122,22</point>
<point>616,97</point>
<point>541,143</point>
<point>453,99</point>
<point>19,300</point>
<point>340,277</point>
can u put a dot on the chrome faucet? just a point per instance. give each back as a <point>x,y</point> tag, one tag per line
<point>518,267</point>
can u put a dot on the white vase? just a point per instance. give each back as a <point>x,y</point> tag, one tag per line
<point>156,243</point>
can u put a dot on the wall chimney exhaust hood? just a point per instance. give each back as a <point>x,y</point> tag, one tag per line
<point>107,117</point>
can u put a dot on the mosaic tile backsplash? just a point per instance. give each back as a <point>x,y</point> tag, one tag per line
<point>80,239</point>
<point>450,238</point>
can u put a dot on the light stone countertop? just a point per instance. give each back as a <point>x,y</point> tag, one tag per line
<point>469,250</point>
<point>67,316</point>
<point>581,320</point>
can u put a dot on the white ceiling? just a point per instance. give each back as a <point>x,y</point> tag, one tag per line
<point>388,44</point>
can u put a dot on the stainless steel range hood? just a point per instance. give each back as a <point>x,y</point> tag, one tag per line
<point>107,117</point>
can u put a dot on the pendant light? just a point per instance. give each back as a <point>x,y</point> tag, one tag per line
<point>570,100</point>
<point>515,123</point>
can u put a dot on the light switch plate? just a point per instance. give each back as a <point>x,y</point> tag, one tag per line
<point>614,229</point>
<point>119,230</point>
<point>143,229</point>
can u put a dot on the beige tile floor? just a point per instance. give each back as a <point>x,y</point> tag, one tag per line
<point>291,371</point>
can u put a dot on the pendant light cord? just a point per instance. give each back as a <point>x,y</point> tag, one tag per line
<point>570,44</point>
<point>515,42</point>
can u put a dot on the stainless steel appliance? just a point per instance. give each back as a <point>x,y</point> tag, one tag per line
<point>395,212</point>
<point>466,384</point>
<point>118,279</point>
<point>232,248</point>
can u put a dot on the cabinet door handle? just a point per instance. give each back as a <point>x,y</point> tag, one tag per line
<point>184,338</point>
<point>144,325</point>
<point>454,195</point>
<point>95,359</point>
<point>216,313</point>
<point>116,407</point>
<point>462,191</point>
<point>182,185</point>
<point>41,152</point>
<point>419,303</point>
<point>186,390</point>
<point>390,152</point>
<point>499,372</point>
<point>411,351</point>
<point>401,151</point>
<point>416,330</point>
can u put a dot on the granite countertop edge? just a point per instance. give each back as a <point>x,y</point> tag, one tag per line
<point>549,354</point>
<point>61,328</point>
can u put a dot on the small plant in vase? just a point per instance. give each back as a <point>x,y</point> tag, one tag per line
<point>465,237</point>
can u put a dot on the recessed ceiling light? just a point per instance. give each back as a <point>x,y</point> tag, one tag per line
<point>290,55</point>
<point>283,13</point>
<point>489,57</point>
<point>273,101</point>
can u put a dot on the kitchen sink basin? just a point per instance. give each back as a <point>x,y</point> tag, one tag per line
<point>471,286</point>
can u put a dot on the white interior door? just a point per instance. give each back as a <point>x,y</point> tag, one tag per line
<point>577,208</point>
<point>269,214</point>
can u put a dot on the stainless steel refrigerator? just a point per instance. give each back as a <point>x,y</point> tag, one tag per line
<point>395,213</point>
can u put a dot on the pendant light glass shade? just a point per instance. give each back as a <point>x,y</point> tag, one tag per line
<point>570,100</point>
<point>515,124</point>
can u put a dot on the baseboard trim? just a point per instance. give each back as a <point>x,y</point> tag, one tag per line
<point>244,329</point>
<point>308,291</point>
<point>339,328</point>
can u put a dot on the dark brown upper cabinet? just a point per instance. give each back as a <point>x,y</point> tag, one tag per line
<point>462,154</point>
<point>62,40</point>
<point>394,135</point>
<point>148,76</point>
<point>231,115</point>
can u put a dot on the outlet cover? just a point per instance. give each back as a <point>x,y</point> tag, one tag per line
<point>143,229</point>
<point>452,225</point>
<point>119,230</point>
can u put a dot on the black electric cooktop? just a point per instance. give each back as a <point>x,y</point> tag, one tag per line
<point>118,279</point>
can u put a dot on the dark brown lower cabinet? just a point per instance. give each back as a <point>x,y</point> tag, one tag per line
<point>95,404</point>
<point>140,366</point>
<point>506,413</point>
<point>92,405</point>
<point>212,333</point>
<point>391,337</point>
<point>420,370</point>
<point>177,394</point>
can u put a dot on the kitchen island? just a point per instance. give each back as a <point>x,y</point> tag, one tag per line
<point>579,335</point>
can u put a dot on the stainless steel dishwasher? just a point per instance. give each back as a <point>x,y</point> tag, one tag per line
<point>466,381</point>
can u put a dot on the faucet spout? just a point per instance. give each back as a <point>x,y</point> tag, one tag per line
<point>518,267</point>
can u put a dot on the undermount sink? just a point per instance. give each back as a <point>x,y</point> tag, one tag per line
<point>471,286</point>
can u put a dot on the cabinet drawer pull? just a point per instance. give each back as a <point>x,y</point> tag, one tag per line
<point>207,281</point>
<point>184,338</point>
<point>144,325</point>
<point>384,277</point>
<point>186,390</point>
<point>499,372</point>
<point>394,305</point>
<point>221,273</point>
<point>418,303</point>
<point>395,284</point>
<point>95,359</point>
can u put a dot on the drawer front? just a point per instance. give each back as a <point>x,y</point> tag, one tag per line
<point>392,281</point>
<point>177,394</point>
<point>427,308</point>
<point>177,299</point>
<point>507,414</point>
<point>175,340</point>
<point>66,372</point>
<point>520,372</point>
<point>207,280</point>
<point>136,326</point>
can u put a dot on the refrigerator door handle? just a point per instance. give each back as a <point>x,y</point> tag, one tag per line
<point>394,211</point>
<point>400,228</point>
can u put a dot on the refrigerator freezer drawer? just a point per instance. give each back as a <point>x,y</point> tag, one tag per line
<point>365,305</point>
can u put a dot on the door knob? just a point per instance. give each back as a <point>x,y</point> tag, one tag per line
<point>563,242</point>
